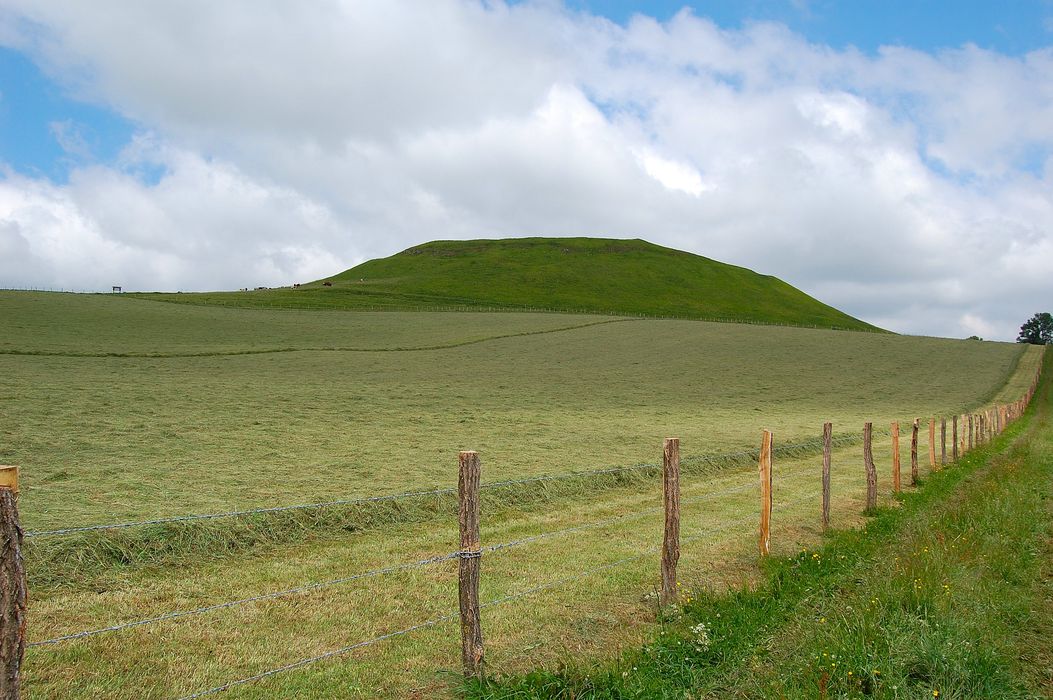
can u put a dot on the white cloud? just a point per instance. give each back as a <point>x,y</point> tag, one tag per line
<point>911,189</point>
<point>201,222</point>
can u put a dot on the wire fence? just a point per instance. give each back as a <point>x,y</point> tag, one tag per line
<point>398,568</point>
<point>716,459</point>
<point>550,585</point>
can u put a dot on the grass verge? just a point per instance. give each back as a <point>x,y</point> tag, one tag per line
<point>946,596</point>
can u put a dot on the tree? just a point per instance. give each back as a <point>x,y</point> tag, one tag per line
<point>1038,330</point>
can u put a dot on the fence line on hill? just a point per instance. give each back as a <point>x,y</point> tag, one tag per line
<point>983,426</point>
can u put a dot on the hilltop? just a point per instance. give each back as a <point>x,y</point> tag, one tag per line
<point>593,275</point>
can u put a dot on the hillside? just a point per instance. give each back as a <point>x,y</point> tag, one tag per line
<point>631,277</point>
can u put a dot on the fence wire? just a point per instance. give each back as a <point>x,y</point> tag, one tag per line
<point>370,574</point>
<point>254,599</point>
<point>716,458</point>
<point>450,616</point>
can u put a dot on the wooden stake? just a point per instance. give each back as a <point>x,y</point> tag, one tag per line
<point>766,495</point>
<point>954,438</point>
<point>671,542</point>
<point>943,441</point>
<point>12,588</point>
<point>868,463</point>
<point>895,457</point>
<point>971,432</point>
<point>914,454</point>
<point>828,430</point>
<point>932,444</point>
<point>468,570</point>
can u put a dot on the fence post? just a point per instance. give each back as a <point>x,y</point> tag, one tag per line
<point>914,454</point>
<point>671,541</point>
<point>971,432</point>
<point>766,495</point>
<point>932,444</point>
<point>12,587</point>
<point>868,463</point>
<point>828,430</point>
<point>895,456</point>
<point>468,569</point>
<point>954,439</point>
<point>943,441</point>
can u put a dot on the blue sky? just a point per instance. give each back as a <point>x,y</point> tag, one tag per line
<point>44,131</point>
<point>893,159</point>
<point>1012,26</point>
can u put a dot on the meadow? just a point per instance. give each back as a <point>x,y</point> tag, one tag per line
<point>120,408</point>
<point>102,437</point>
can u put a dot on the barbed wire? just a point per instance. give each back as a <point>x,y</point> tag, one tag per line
<point>254,599</point>
<point>449,616</point>
<point>369,574</point>
<point>844,439</point>
<point>319,657</point>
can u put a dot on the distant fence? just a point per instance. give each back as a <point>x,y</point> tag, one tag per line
<point>967,431</point>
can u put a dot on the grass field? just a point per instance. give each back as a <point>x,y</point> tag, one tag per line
<point>947,597</point>
<point>102,437</point>
<point>180,425</point>
<point>590,617</point>
<point>630,277</point>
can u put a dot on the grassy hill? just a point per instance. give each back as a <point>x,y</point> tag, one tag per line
<point>595,275</point>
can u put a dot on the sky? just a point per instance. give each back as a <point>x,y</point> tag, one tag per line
<point>893,159</point>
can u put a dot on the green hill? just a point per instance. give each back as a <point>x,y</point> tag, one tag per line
<point>595,275</point>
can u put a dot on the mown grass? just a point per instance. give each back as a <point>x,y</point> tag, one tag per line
<point>125,438</point>
<point>947,596</point>
<point>105,438</point>
<point>582,275</point>
<point>583,619</point>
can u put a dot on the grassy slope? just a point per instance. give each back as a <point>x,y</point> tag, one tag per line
<point>948,596</point>
<point>106,437</point>
<point>629,277</point>
<point>583,619</point>
<point>103,437</point>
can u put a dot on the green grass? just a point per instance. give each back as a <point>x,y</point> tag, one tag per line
<point>947,597</point>
<point>184,422</point>
<point>583,619</point>
<point>590,275</point>
<point>114,438</point>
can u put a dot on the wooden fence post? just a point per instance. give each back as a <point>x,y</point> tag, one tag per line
<point>971,432</point>
<point>954,439</point>
<point>868,463</point>
<point>671,541</point>
<point>914,454</point>
<point>12,588</point>
<point>828,430</point>
<point>895,456</point>
<point>932,444</point>
<point>766,495</point>
<point>468,569</point>
<point>943,441</point>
